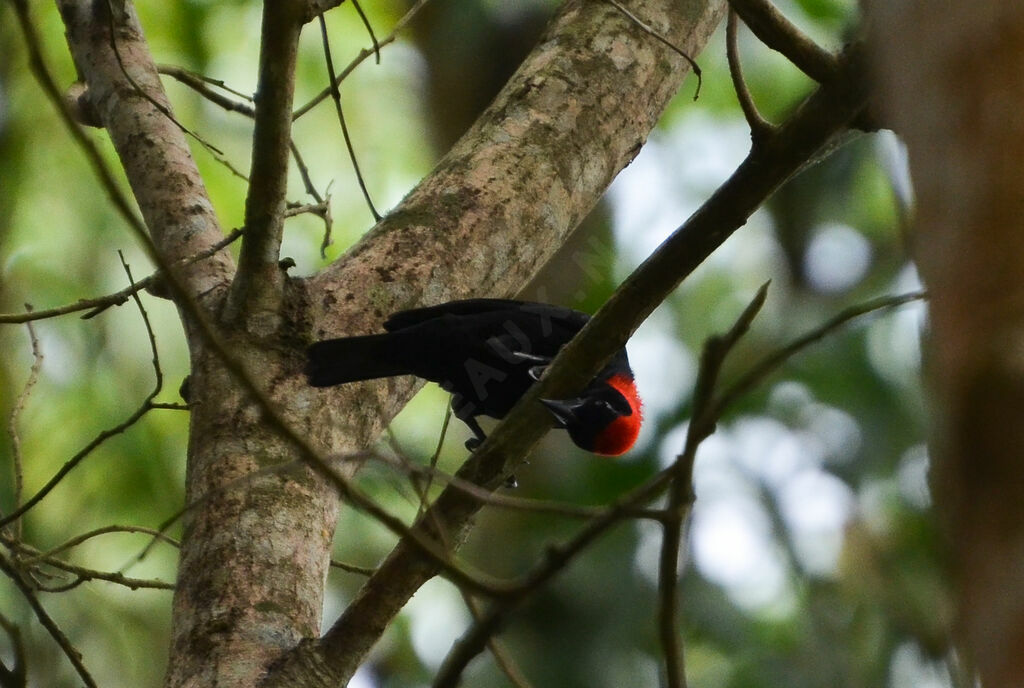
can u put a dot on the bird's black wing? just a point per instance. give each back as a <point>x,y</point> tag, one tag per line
<point>467,307</point>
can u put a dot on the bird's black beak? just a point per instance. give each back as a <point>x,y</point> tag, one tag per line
<point>564,410</point>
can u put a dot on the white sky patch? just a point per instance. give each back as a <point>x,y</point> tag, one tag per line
<point>733,541</point>
<point>912,477</point>
<point>673,174</point>
<point>772,451</point>
<point>732,547</point>
<point>835,430</point>
<point>437,617</point>
<point>892,154</point>
<point>362,679</point>
<point>665,369</point>
<point>894,340</point>
<point>911,669</point>
<point>837,258</point>
<point>817,506</point>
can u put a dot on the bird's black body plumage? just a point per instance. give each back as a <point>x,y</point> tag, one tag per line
<point>486,352</point>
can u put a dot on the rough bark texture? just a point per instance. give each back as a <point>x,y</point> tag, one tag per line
<point>954,88</point>
<point>152,148</point>
<point>255,552</point>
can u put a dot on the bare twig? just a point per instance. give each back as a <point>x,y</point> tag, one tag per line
<point>767,365</point>
<point>144,408</point>
<point>336,96</point>
<point>778,33</point>
<point>433,460</point>
<point>646,28</point>
<point>505,501</point>
<point>680,498</point>
<point>359,59</point>
<point>200,84</point>
<point>369,29</point>
<point>19,405</point>
<point>501,656</point>
<point>97,305</point>
<point>73,655</point>
<point>352,568</point>
<point>79,539</point>
<point>760,128</point>
<point>85,575</point>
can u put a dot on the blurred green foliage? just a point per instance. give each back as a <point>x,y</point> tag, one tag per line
<point>813,559</point>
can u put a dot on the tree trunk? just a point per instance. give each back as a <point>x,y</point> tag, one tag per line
<point>954,86</point>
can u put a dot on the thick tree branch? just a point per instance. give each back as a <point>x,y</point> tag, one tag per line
<point>151,147</point>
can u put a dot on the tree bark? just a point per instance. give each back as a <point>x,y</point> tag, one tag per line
<point>953,86</point>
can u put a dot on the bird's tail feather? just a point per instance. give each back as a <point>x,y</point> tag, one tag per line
<point>350,359</point>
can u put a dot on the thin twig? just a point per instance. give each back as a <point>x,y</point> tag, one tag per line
<point>369,29</point>
<point>501,655</point>
<point>769,363</point>
<point>646,28</point>
<point>200,84</point>
<point>505,501</point>
<point>103,436</point>
<point>85,575</point>
<point>336,96</point>
<point>359,59</point>
<point>79,539</point>
<point>434,458</point>
<point>97,305</point>
<point>12,426</point>
<point>73,655</point>
<point>778,33</point>
<point>760,128</point>
<point>680,498</point>
<point>352,568</point>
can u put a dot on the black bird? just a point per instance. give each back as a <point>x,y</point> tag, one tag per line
<point>487,353</point>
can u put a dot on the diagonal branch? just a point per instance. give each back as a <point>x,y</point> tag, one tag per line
<point>822,117</point>
<point>69,650</point>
